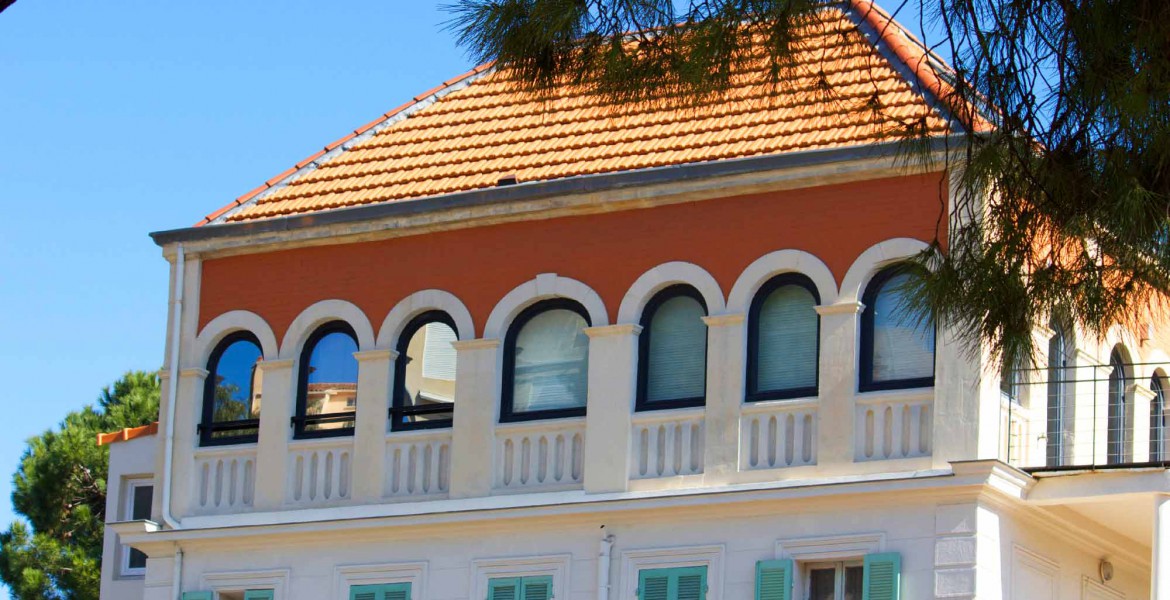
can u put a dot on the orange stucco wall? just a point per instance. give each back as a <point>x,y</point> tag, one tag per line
<point>605,251</point>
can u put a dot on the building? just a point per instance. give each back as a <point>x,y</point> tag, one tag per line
<point>518,348</point>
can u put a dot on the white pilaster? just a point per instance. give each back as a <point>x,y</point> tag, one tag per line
<point>373,403</point>
<point>1160,563</point>
<point>613,368</point>
<point>726,347</point>
<point>837,384</point>
<point>190,404</point>
<point>276,377</point>
<point>477,393</point>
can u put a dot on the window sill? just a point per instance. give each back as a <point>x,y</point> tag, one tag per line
<point>767,406</point>
<point>563,423</point>
<point>918,394</point>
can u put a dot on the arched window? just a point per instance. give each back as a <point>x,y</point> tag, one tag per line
<point>783,339</point>
<point>897,343</point>
<point>1120,446</point>
<point>1010,376</point>
<point>1159,420</point>
<point>672,350</point>
<point>231,393</point>
<point>1059,430</point>
<point>424,374</point>
<point>327,383</point>
<point>546,362</point>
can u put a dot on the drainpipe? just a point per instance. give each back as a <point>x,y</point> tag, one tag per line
<point>172,395</point>
<point>177,576</point>
<point>606,546</point>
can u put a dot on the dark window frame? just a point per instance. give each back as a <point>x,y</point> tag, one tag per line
<point>641,402</point>
<point>865,372</point>
<point>753,342</point>
<point>1119,429</point>
<point>507,414</point>
<point>1158,418</point>
<point>398,409</point>
<point>207,428</point>
<point>300,420</point>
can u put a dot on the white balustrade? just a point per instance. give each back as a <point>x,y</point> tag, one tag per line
<point>778,434</point>
<point>667,443</point>
<point>540,454</point>
<point>225,479</point>
<point>418,464</point>
<point>319,471</point>
<point>893,426</point>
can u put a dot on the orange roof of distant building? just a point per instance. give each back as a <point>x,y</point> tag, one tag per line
<point>477,129</point>
<point>127,434</point>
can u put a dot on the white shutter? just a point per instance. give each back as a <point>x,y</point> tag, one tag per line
<point>551,369</point>
<point>786,355</point>
<point>438,353</point>
<point>678,351</point>
<point>903,342</point>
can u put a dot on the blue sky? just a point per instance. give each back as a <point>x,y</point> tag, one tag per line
<point>123,117</point>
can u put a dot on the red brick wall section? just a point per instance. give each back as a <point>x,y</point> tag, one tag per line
<point>605,251</point>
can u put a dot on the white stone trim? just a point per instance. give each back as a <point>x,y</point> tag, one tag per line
<point>871,261</point>
<point>555,565</point>
<point>1022,556</point>
<point>543,287</point>
<point>228,323</point>
<point>1091,589</point>
<point>667,274</point>
<point>414,573</point>
<point>776,263</point>
<point>834,547</point>
<point>320,313</point>
<point>418,303</point>
<point>238,581</point>
<point>634,561</point>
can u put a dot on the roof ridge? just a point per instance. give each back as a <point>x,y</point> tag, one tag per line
<point>401,110</point>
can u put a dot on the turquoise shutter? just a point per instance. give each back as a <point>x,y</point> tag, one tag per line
<point>386,591</point>
<point>197,596</point>
<point>507,588</point>
<point>679,583</point>
<point>883,577</point>
<point>774,580</point>
<point>536,588</point>
<point>258,595</point>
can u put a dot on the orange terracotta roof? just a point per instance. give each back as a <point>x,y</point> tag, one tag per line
<point>476,129</point>
<point>128,434</point>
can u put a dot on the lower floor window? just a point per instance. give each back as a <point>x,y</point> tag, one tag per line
<point>386,591</point>
<point>230,595</point>
<point>520,588</point>
<point>835,581</point>
<point>678,583</point>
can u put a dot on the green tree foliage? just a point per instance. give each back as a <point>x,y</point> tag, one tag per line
<point>1059,138</point>
<point>60,490</point>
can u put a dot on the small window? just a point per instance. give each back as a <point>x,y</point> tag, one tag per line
<point>672,350</point>
<point>783,340</point>
<point>387,591</point>
<point>327,387</point>
<point>521,588</point>
<point>1120,438</point>
<point>231,393</point>
<point>897,343</point>
<point>1159,421</point>
<point>836,581</point>
<point>546,362</point>
<point>137,507</point>
<point>424,374</point>
<point>677,583</point>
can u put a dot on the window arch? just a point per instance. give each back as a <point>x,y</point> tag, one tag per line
<point>424,373</point>
<point>783,339</point>
<point>232,392</point>
<point>546,362</point>
<point>327,383</point>
<point>672,350</point>
<point>1120,439</point>
<point>897,343</point>
<point>1059,430</point>
<point>1159,420</point>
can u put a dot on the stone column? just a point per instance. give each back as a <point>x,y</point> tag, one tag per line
<point>1160,563</point>
<point>187,416</point>
<point>726,354</point>
<point>837,383</point>
<point>477,392</point>
<point>373,403</point>
<point>276,407</point>
<point>613,381</point>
